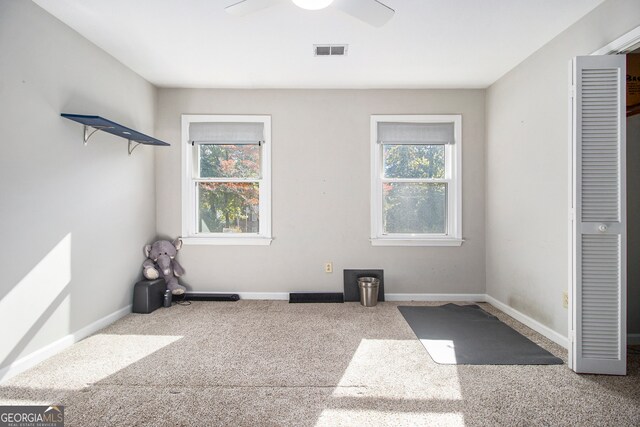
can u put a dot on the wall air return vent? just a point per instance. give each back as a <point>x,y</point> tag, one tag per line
<point>330,49</point>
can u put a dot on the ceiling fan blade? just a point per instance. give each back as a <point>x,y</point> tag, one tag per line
<point>245,7</point>
<point>370,11</point>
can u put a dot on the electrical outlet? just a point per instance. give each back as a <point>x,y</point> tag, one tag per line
<point>328,267</point>
<point>565,299</point>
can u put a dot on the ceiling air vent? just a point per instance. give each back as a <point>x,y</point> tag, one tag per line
<point>330,49</point>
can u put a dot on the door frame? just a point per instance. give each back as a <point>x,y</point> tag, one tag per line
<point>622,45</point>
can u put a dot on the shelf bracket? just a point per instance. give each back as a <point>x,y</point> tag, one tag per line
<point>90,130</point>
<point>130,149</point>
<point>88,133</point>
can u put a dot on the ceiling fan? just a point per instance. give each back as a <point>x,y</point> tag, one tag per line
<point>372,12</point>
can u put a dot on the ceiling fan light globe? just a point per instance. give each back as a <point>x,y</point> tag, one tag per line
<point>312,4</point>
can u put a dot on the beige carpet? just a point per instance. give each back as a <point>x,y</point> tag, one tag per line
<point>270,363</point>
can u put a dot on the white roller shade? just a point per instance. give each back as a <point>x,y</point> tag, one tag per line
<point>416,133</point>
<point>226,133</point>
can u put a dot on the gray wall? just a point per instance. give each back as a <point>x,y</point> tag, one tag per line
<point>527,168</point>
<point>321,192</point>
<point>73,218</point>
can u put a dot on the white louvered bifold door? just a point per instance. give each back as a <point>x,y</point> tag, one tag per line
<point>598,293</point>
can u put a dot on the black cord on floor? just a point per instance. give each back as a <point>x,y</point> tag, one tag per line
<point>181,301</point>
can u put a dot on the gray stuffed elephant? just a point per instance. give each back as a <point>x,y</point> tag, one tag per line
<point>161,262</point>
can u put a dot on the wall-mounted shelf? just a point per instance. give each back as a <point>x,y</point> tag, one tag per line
<point>92,124</point>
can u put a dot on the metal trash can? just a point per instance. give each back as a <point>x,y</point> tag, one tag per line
<point>369,287</point>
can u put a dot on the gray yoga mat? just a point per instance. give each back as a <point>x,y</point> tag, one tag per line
<point>468,335</point>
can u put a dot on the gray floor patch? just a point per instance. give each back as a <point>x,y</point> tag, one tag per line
<point>468,335</point>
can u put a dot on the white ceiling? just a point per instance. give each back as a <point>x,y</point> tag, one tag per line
<point>427,44</point>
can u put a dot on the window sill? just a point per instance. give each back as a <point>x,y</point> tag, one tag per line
<point>227,241</point>
<point>416,242</point>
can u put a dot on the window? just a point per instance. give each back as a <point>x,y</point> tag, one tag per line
<point>226,179</point>
<point>416,183</point>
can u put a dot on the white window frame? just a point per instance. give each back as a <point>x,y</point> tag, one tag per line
<point>453,178</point>
<point>190,235</point>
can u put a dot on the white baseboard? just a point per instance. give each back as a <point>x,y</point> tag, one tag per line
<point>57,346</point>
<point>263,295</point>
<point>633,339</point>
<point>388,297</point>
<point>528,321</point>
<point>435,297</point>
